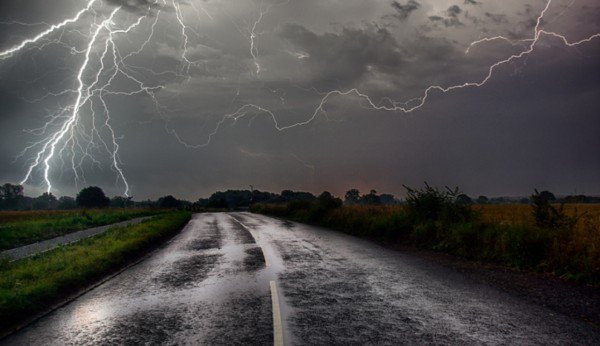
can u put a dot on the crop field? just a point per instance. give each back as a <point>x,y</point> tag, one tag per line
<point>504,234</point>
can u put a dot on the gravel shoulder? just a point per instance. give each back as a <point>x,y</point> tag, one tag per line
<point>566,297</point>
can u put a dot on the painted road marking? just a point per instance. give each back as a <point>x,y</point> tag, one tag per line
<point>267,263</point>
<point>277,326</point>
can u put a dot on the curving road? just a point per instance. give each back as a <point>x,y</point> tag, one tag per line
<point>240,278</point>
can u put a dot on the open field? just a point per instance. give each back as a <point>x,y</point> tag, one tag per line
<point>18,228</point>
<point>31,285</point>
<point>500,234</point>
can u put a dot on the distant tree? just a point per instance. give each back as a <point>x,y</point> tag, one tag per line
<point>121,202</point>
<point>217,203</point>
<point>92,197</point>
<point>66,202</point>
<point>289,196</point>
<point>546,196</point>
<point>352,196</point>
<point>327,201</point>
<point>168,202</point>
<point>463,199</point>
<point>11,196</point>
<point>371,199</point>
<point>46,201</point>
<point>483,200</point>
<point>387,199</point>
<point>524,200</point>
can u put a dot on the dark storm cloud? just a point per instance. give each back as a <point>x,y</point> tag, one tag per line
<point>404,11</point>
<point>451,19</point>
<point>346,57</point>
<point>136,5</point>
<point>534,124</point>
<point>454,11</point>
<point>497,18</point>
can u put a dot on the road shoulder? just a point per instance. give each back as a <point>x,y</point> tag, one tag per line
<point>566,297</point>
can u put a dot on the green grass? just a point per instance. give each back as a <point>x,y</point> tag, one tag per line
<point>34,284</point>
<point>23,228</point>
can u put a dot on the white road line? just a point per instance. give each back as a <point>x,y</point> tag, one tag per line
<point>267,263</point>
<point>277,326</point>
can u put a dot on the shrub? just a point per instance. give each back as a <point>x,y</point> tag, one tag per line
<point>548,216</point>
<point>431,204</point>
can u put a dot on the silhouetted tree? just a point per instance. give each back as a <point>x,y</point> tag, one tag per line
<point>463,199</point>
<point>121,202</point>
<point>66,202</point>
<point>352,196</point>
<point>168,202</point>
<point>327,201</point>
<point>546,195</point>
<point>11,196</point>
<point>387,199</point>
<point>483,200</point>
<point>92,197</point>
<point>371,198</point>
<point>46,201</point>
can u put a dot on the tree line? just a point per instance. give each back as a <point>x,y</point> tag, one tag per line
<point>12,198</point>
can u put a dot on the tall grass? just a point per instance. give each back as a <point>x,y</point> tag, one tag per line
<point>26,227</point>
<point>31,285</point>
<point>502,234</point>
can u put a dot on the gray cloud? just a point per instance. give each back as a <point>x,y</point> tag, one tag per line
<point>136,5</point>
<point>451,19</point>
<point>344,58</point>
<point>534,124</point>
<point>497,18</point>
<point>404,11</point>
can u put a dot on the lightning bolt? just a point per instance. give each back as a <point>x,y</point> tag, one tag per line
<point>73,137</point>
<point>407,106</point>
<point>74,133</point>
<point>9,52</point>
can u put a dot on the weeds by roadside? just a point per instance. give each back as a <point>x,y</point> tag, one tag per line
<point>541,237</point>
<point>22,228</point>
<point>31,285</point>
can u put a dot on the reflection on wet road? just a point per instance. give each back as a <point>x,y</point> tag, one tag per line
<point>212,285</point>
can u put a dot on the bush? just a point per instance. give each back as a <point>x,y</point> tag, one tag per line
<point>431,204</point>
<point>92,197</point>
<point>548,216</point>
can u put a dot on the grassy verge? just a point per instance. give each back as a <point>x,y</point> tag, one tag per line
<point>32,285</point>
<point>22,228</point>
<point>504,235</point>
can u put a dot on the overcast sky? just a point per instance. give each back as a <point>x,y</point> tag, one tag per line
<point>535,124</point>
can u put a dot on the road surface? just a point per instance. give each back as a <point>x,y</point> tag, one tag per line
<point>240,278</point>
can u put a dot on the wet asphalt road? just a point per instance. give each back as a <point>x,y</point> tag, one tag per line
<point>211,285</point>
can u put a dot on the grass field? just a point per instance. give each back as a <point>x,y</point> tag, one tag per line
<point>503,234</point>
<point>18,228</point>
<point>34,284</point>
